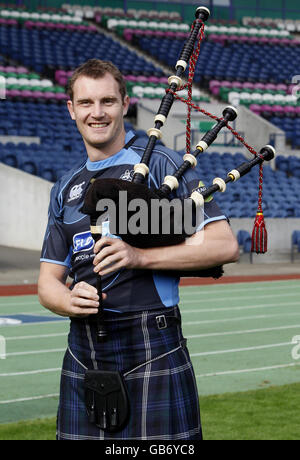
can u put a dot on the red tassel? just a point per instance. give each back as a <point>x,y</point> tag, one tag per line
<point>259,235</point>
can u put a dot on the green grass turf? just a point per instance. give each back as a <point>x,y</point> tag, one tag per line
<point>267,414</point>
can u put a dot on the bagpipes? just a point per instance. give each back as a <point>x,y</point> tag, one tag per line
<point>102,189</point>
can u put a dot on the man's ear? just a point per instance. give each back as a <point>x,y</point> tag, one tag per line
<point>126,105</point>
<point>70,108</point>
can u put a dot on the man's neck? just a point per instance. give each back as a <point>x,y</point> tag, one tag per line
<point>102,152</point>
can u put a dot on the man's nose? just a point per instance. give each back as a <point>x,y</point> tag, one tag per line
<point>98,110</point>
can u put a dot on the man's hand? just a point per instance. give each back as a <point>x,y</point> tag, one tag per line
<point>84,300</point>
<point>113,254</point>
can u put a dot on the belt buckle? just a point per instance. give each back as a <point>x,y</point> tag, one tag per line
<point>161,322</point>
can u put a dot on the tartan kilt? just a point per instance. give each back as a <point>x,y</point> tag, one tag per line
<point>157,371</point>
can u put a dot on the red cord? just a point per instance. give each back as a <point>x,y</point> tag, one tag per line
<point>259,244</point>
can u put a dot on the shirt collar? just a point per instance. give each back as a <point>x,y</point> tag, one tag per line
<point>110,161</point>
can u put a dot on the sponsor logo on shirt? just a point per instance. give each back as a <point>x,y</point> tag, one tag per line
<point>76,192</point>
<point>201,188</point>
<point>82,242</point>
<point>127,175</point>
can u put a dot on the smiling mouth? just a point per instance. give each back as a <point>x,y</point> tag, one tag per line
<point>98,125</point>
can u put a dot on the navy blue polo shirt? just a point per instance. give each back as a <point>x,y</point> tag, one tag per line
<point>68,240</point>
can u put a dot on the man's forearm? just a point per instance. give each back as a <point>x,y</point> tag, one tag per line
<point>54,295</point>
<point>190,255</point>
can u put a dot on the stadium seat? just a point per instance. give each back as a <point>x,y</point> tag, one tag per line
<point>295,244</point>
<point>244,241</point>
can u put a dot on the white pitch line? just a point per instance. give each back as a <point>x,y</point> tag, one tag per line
<point>238,350</point>
<point>38,371</point>
<point>245,307</point>
<point>30,398</point>
<point>251,297</point>
<point>242,371</point>
<point>35,352</point>
<point>41,336</point>
<point>18,304</point>
<point>249,331</point>
<point>35,323</point>
<point>240,318</point>
<point>230,289</point>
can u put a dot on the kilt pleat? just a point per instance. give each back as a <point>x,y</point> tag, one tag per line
<point>157,371</point>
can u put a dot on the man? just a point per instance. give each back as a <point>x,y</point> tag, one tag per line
<point>145,343</point>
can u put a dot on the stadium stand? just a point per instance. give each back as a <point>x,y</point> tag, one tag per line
<point>295,244</point>
<point>40,49</point>
<point>244,241</point>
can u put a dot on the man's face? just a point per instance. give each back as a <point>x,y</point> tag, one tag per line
<point>98,110</point>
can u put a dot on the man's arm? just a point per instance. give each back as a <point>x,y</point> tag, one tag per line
<point>212,246</point>
<point>53,293</point>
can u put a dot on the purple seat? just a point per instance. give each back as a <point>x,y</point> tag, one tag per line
<point>130,77</point>
<point>282,87</point>
<point>29,24</point>
<point>226,84</point>
<point>234,38</point>
<point>58,74</point>
<point>248,85</point>
<point>270,87</point>
<point>11,22</point>
<point>256,108</point>
<point>237,84</point>
<point>13,93</point>
<point>37,94</point>
<point>75,28</point>
<point>278,110</point>
<point>60,26</point>
<point>128,34</point>
<point>264,41</point>
<point>92,28</point>
<point>244,39</point>
<point>62,81</point>
<point>259,86</point>
<point>153,79</point>
<point>98,17</point>
<point>287,42</point>
<point>266,108</point>
<point>50,25</point>
<point>163,80</point>
<point>48,95</point>
<point>274,41</point>
<point>39,25</point>
<point>26,93</point>
<point>21,70</point>
<point>289,110</point>
<point>61,97</point>
<point>11,69</point>
<point>253,40</point>
<point>141,78</point>
<point>213,83</point>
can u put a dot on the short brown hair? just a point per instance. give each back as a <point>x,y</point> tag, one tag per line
<point>95,68</point>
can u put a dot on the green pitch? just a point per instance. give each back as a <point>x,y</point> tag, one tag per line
<point>241,337</point>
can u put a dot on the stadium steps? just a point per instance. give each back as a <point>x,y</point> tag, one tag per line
<point>166,69</point>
